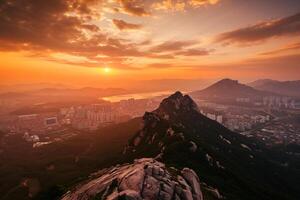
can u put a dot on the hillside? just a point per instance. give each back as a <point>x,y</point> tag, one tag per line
<point>56,166</point>
<point>229,89</point>
<point>240,168</point>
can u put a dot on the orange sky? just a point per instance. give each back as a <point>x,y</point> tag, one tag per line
<point>111,43</point>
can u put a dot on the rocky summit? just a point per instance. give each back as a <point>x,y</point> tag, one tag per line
<point>176,104</point>
<point>144,179</point>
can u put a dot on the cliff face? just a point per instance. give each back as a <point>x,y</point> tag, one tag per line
<point>144,179</point>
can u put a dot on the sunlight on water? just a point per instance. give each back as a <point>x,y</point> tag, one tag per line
<point>144,95</point>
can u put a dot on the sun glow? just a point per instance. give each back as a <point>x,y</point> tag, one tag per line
<point>107,69</point>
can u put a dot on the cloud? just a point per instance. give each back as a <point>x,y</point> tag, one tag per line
<point>172,46</point>
<point>203,2</point>
<point>160,65</point>
<point>134,7</point>
<point>52,26</point>
<point>194,52</point>
<point>74,28</point>
<point>122,25</point>
<point>277,67</point>
<point>146,8</point>
<point>262,31</point>
<point>181,5</point>
<point>169,5</point>
<point>62,26</point>
<point>171,49</point>
<point>290,47</point>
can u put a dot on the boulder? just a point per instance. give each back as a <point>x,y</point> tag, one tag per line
<point>144,179</point>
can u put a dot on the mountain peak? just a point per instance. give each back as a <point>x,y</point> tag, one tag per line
<point>227,84</point>
<point>228,81</point>
<point>228,89</point>
<point>175,104</point>
<point>176,95</point>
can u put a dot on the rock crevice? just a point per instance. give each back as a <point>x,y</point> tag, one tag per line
<point>144,179</point>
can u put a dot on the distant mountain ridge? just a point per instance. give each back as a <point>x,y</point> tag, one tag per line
<point>228,89</point>
<point>31,87</point>
<point>290,88</point>
<point>86,91</point>
<point>26,102</point>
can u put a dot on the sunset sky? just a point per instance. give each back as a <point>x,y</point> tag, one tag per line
<point>109,43</point>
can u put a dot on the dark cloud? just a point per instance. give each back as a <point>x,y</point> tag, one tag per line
<point>172,46</point>
<point>171,49</point>
<point>134,7</point>
<point>122,25</point>
<point>47,25</point>
<point>26,20</point>
<point>262,31</point>
<point>59,26</point>
<point>146,42</point>
<point>64,26</point>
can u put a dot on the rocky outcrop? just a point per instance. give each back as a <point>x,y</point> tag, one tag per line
<point>176,104</point>
<point>164,126</point>
<point>144,179</point>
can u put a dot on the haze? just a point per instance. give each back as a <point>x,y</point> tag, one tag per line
<point>120,43</point>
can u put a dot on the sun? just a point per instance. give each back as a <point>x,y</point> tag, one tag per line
<point>107,69</point>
